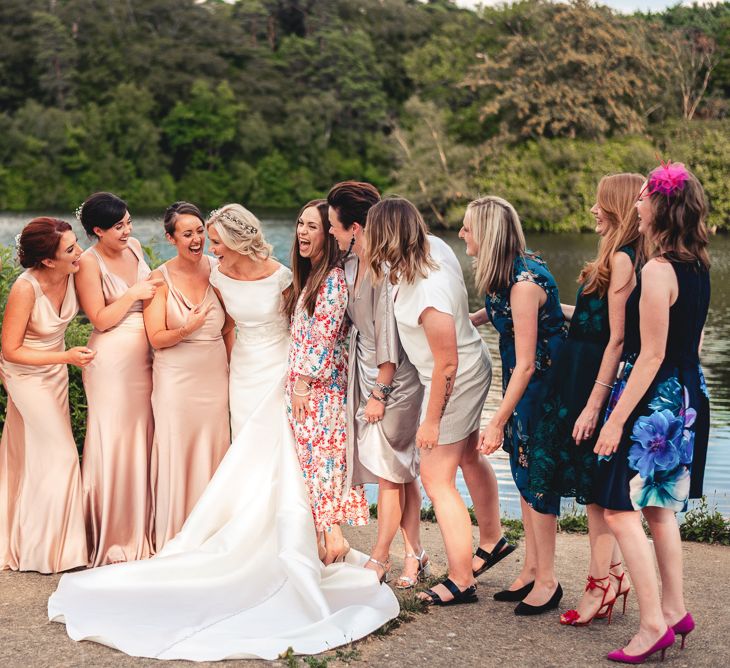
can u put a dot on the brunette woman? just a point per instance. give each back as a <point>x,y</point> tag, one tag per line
<point>317,379</point>
<point>112,283</point>
<point>41,505</point>
<point>383,392</point>
<point>522,303</point>
<point>186,325</point>
<point>431,311</point>
<point>654,442</point>
<point>561,458</point>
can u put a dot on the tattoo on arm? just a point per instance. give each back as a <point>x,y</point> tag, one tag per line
<point>447,393</point>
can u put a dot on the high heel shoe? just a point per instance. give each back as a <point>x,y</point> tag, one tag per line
<point>619,584</point>
<point>385,565</point>
<point>684,627</point>
<point>661,645</point>
<point>525,609</point>
<point>570,617</point>
<point>424,571</point>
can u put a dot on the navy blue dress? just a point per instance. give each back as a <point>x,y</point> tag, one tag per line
<point>661,458</point>
<point>557,465</point>
<point>551,333</point>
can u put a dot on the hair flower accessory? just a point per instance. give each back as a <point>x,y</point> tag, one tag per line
<point>77,212</point>
<point>669,179</point>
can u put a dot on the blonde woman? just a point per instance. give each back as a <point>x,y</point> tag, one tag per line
<point>561,458</point>
<point>522,303</point>
<point>431,312</point>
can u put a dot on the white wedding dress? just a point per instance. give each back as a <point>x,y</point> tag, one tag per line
<point>242,579</point>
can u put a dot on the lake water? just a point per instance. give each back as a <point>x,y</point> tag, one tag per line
<point>565,254</point>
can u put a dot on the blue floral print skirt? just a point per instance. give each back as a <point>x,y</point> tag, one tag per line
<point>661,458</point>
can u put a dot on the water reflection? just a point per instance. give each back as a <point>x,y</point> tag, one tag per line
<point>565,254</point>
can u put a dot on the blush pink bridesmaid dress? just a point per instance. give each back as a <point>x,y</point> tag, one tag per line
<point>41,509</point>
<point>119,432</point>
<point>190,405</point>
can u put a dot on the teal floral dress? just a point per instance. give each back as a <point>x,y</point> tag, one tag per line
<point>557,465</point>
<point>551,333</point>
<point>661,458</point>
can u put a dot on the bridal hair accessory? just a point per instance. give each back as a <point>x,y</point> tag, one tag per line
<point>669,179</point>
<point>227,215</point>
<point>78,210</point>
<point>18,247</point>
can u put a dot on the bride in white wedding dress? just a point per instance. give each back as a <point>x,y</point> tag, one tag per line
<point>243,578</point>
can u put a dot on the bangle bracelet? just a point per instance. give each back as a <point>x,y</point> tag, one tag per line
<point>301,394</point>
<point>382,400</point>
<point>598,382</point>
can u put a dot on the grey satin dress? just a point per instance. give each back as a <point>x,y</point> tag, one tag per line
<point>385,449</point>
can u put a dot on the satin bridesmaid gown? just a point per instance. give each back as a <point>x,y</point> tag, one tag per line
<point>119,432</point>
<point>41,509</point>
<point>190,406</point>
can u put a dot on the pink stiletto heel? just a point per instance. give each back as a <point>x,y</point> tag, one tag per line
<point>661,645</point>
<point>684,627</point>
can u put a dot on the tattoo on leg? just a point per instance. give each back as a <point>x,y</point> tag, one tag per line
<point>447,393</point>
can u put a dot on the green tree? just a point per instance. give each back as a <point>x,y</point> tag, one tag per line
<point>569,70</point>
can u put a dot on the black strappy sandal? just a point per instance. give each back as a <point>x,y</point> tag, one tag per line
<point>501,550</point>
<point>469,595</point>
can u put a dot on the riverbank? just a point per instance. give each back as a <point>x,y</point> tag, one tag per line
<point>486,634</point>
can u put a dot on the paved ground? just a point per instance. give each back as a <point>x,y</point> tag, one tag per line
<point>486,634</point>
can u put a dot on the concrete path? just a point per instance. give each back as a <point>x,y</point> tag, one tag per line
<point>485,634</point>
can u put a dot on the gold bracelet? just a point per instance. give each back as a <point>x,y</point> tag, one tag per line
<point>598,382</point>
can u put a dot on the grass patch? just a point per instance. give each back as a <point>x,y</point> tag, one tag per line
<point>574,521</point>
<point>705,525</point>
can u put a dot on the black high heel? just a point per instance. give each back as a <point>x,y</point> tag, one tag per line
<point>525,609</point>
<point>512,596</point>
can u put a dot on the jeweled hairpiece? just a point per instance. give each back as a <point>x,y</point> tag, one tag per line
<point>669,179</point>
<point>77,211</point>
<point>227,215</point>
<point>17,240</point>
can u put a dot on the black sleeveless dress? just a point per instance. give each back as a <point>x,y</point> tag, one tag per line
<point>556,464</point>
<point>661,458</point>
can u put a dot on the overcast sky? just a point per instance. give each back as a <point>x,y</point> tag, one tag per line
<point>622,5</point>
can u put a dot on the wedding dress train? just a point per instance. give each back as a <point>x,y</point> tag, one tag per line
<point>242,579</point>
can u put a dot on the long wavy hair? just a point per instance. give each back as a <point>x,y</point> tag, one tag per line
<point>679,229</point>
<point>306,278</point>
<point>616,196</point>
<point>396,237</point>
<point>497,231</point>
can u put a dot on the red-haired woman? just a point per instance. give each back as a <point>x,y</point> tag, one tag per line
<point>317,378</point>
<point>561,458</point>
<point>41,505</point>
<point>653,444</point>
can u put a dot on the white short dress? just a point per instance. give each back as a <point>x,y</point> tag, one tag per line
<point>444,289</point>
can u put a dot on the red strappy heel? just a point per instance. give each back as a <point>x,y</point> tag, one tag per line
<point>619,583</point>
<point>570,617</point>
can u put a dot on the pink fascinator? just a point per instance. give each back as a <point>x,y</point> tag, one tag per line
<point>668,179</point>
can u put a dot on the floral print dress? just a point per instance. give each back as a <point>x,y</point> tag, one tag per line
<point>557,465</point>
<point>318,349</point>
<point>551,333</point>
<point>661,458</point>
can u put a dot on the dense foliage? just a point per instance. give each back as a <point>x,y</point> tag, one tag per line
<point>268,102</point>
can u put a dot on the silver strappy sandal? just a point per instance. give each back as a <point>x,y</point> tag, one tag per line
<point>424,571</point>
